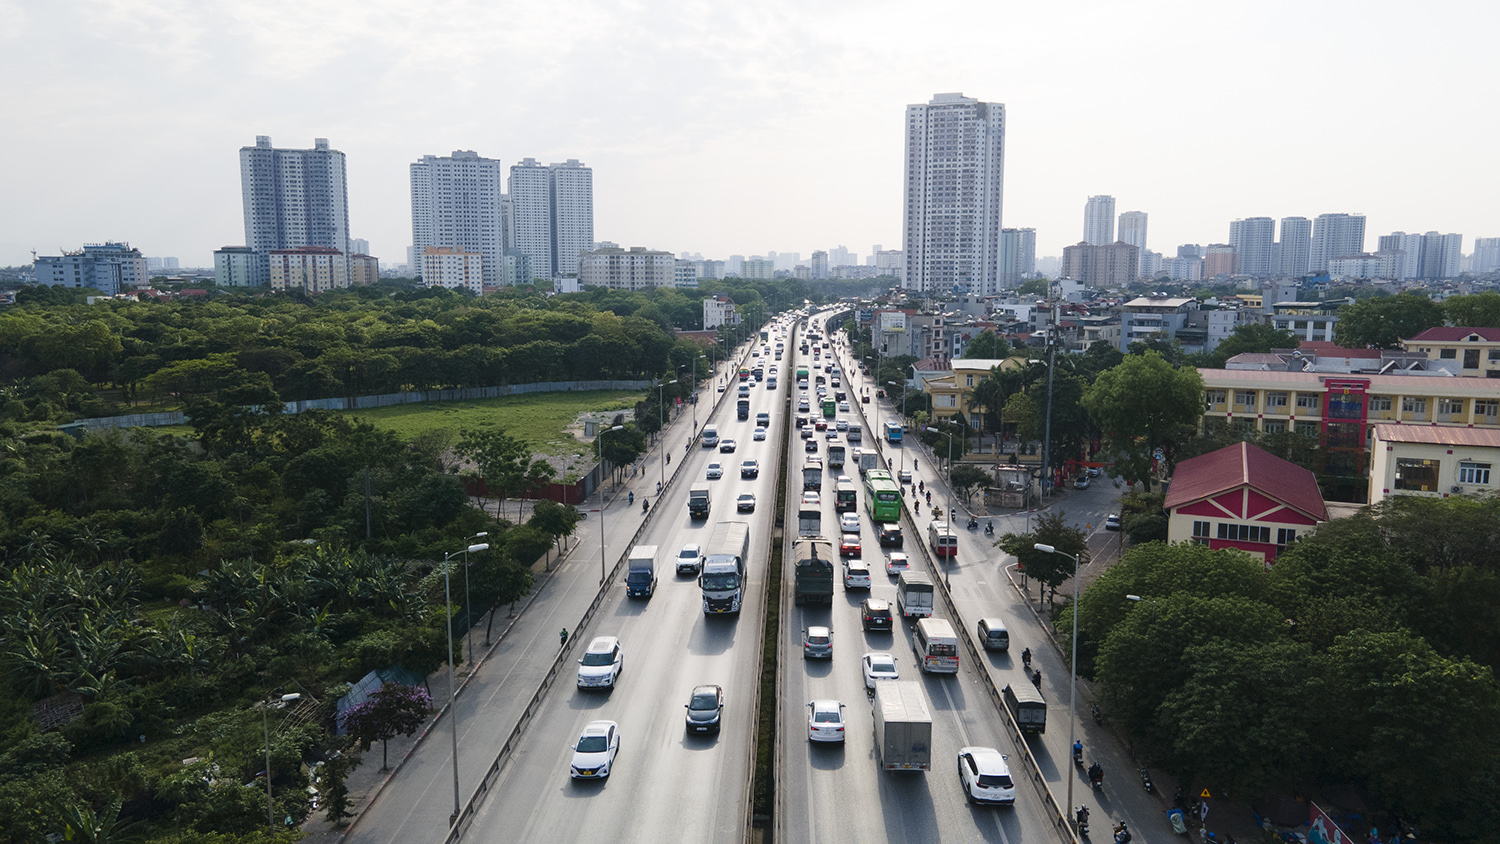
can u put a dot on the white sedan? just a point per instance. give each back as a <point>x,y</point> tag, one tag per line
<point>760,433</point>
<point>594,754</point>
<point>879,667</point>
<point>825,721</point>
<point>849,523</point>
<point>715,471</point>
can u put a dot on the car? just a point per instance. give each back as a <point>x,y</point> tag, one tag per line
<point>985,776</point>
<point>759,434</point>
<point>601,664</point>
<point>840,395</point>
<point>849,545</point>
<point>745,503</point>
<point>825,720</point>
<point>835,383</point>
<point>890,535</point>
<point>750,468</point>
<point>896,563</point>
<point>812,499</point>
<point>843,407</point>
<point>1081,482</point>
<point>595,752</point>
<point>713,472</point>
<point>811,446</point>
<point>800,421</point>
<point>726,446</point>
<point>856,575</point>
<point>1094,471</point>
<point>862,399</point>
<point>842,424</point>
<point>849,523</point>
<point>992,634</point>
<point>833,435</point>
<point>690,559</point>
<point>821,424</point>
<point>875,614</point>
<point>817,643</point>
<point>1112,521</point>
<point>721,388</point>
<point>904,475</point>
<point>705,708</point>
<point>806,433</point>
<point>801,404</point>
<point>878,667</point>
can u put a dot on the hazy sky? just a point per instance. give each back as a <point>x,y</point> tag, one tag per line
<point>723,127</point>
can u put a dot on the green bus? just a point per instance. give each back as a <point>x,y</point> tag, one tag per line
<point>802,374</point>
<point>830,408</point>
<point>882,496</point>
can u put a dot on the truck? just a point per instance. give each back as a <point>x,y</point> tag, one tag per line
<point>812,474</point>
<point>868,460</point>
<point>764,335</point>
<point>914,595</point>
<point>699,501</point>
<point>640,577</point>
<point>743,408</point>
<point>835,456</point>
<point>1027,706</point>
<point>813,558</point>
<point>723,577</point>
<point>903,726</point>
<point>809,520</point>
<point>942,539</point>
<point>758,372</point>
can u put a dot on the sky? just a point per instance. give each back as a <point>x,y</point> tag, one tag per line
<point>740,128</point>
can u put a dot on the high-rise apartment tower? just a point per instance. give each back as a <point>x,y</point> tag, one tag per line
<point>1133,229</point>
<point>1334,236</point>
<point>294,197</point>
<point>1294,250</point>
<point>455,204</point>
<point>1099,221</point>
<point>1252,239</point>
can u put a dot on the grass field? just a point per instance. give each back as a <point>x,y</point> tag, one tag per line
<point>538,419</point>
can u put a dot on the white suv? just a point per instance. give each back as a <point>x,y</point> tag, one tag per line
<point>985,776</point>
<point>601,664</point>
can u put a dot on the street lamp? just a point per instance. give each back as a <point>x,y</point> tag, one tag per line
<point>1073,676</point>
<point>661,399</point>
<point>468,619</point>
<point>452,683</point>
<point>695,392</point>
<point>903,421</point>
<point>265,724</point>
<point>600,440</point>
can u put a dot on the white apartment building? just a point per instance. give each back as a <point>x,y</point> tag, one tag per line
<point>1294,250</point>
<point>952,195</point>
<point>294,197</point>
<point>892,262</point>
<point>819,264</point>
<point>1252,239</point>
<point>685,274</point>
<point>313,269</point>
<point>1099,221</point>
<point>1334,236</point>
<point>456,204</point>
<point>1379,265</point>
<point>531,214</point>
<point>717,311</point>
<point>1133,229</point>
<point>572,186</point>
<point>359,246</point>
<point>1017,256</point>
<point>241,266</point>
<point>758,268</point>
<point>453,268</point>
<point>636,268</point>
<point>105,267</point>
<point>1486,254</point>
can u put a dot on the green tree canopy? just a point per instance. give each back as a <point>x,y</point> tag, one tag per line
<point>1384,322</point>
<point>1142,405</point>
<point>1250,337</point>
<point>987,345</point>
<point>1479,310</point>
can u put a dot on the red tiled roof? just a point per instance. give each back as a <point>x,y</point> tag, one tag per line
<point>1237,465</point>
<point>1334,350</point>
<point>1451,333</point>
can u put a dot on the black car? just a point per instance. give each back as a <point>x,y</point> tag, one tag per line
<point>890,535</point>
<point>705,708</point>
<point>811,447</point>
<point>875,614</point>
<point>801,419</point>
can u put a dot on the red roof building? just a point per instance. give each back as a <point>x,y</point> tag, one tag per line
<point>1242,497</point>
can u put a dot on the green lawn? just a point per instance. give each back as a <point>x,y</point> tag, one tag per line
<point>538,419</point>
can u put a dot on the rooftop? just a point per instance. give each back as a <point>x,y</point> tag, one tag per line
<point>1243,464</point>
<point>1449,334</point>
<point>1439,435</point>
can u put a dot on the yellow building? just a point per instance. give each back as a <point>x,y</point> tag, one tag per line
<point>1474,352</point>
<point>1434,461</point>
<point>952,389</point>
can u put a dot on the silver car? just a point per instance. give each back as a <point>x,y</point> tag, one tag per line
<point>817,643</point>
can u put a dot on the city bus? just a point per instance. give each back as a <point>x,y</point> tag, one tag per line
<point>893,432</point>
<point>882,496</point>
<point>802,374</point>
<point>830,408</point>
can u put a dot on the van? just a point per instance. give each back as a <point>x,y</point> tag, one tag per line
<point>710,436</point>
<point>992,635</point>
<point>1027,706</point>
<point>936,646</point>
<point>854,434</point>
<point>914,595</point>
<point>744,391</point>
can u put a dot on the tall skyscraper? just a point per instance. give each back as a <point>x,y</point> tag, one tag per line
<point>531,214</point>
<point>1220,260</point>
<point>1407,249</point>
<point>294,197</point>
<point>951,200</point>
<point>1440,255</point>
<point>1252,239</point>
<point>1486,254</point>
<point>455,204</point>
<point>1294,250</point>
<point>1017,256</point>
<point>819,264</point>
<point>1099,221</point>
<point>572,214</point>
<point>1334,236</point>
<point>1133,229</point>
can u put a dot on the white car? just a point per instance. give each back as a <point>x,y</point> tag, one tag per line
<point>985,776</point>
<point>842,424</point>
<point>601,664</point>
<point>856,575</point>
<point>594,754</point>
<point>759,434</point>
<point>825,721</point>
<point>843,407</point>
<point>879,667</point>
<point>811,499</point>
<point>714,472</point>
<point>690,559</point>
<point>849,523</point>
<point>896,563</point>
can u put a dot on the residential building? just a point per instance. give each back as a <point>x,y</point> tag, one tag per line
<point>1017,256</point>
<point>819,264</point>
<point>1100,328</point>
<point>363,269</point>
<point>636,268</point>
<point>1486,254</point>
<point>1220,260</point>
<point>1244,498</point>
<point>312,269</point>
<point>1307,320</point>
<point>551,214</point>
<point>1113,265</point>
<point>1334,236</point>
<point>952,388</point>
<point>758,267</point>
<point>1099,221</point>
<point>1252,239</point>
<point>1133,229</point>
<point>952,196</point>
<point>572,186</point>
<point>1434,461</point>
<point>719,310</point>
<point>1294,250</point>
<point>1154,319</point>
<point>712,269</point>
<point>736,265</point>
<point>685,274</point>
<point>453,268</point>
<point>241,266</point>
<point>839,256</point>
<point>891,262</point>
<point>1191,250</point>
<point>1151,264</point>
<point>516,268</point>
<point>1475,352</point>
<point>359,246</point>
<point>1182,269</point>
<point>1408,249</point>
<point>456,203</point>
<point>162,264</point>
<point>294,197</point>
<point>105,267</point>
<point>1364,266</point>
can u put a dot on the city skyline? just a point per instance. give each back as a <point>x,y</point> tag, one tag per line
<point>669,176</point>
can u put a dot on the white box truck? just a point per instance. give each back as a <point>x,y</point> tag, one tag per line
<point>903,726</point>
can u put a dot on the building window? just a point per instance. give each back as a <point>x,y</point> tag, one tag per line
<point>1311,430</point>
<point>1307,400</point>
<point>1488,408</point>
<point>1473,473</point>
<point>1285,536</point>
<point>1245,398</point>
<point>1274,426</point>
<point>1380,404</point>
<point>1416,475</point>
<point>1451,406</point>
<point>1447,354</point>
<point>1494,354</point>
<point>1201,533</point>
<point>1410,404</point>
<point>1244,533</point>
<point>1275,400</point>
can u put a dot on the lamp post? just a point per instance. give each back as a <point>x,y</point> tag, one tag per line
<point>265,724</point>
<point>661,425</point>
<point>452,683</point>
<point>600,440</point>
<point>875,400</point>
<point>695,392</point>
<point>903,423</point>
<point>468,618</point>
<point>1073,676</point>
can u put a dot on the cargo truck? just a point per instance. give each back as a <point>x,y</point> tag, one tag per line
<point>812,474</point>
<point>914,595</point>
<point>903,726</point>
<point>868,460</point>
<point>699,501</point>
<point>813,559</point>
<point>809,520</point>
<point>640,577</point>
<point>743,406</point>
<point>724,560</point>
<point>835,456</point>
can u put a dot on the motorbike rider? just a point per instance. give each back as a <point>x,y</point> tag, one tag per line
<point>630,496</point>
<point>645,505</point>
<point>989,527</point>
<point>1026,657</point>
<point>1096,773</point>
<point>1078,751</point>
<point>1122,835</point>
<point>1083,817</point>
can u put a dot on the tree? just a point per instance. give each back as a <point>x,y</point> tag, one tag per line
<point>1143,405</point>
<point>500,458</point>
<point>1250,337</point>
<point>1384,322</point>
<point>556,520</point>
<point>81,823</point>
<point>1034,287</point>
<point>1480,310</point>
<point>333,781</point>
<point>965,478</point>
<point>1051,570</point>
<point>393,710</point>
<point>987,346</point>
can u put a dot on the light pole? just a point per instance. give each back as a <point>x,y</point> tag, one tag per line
<point>468,619</point>
<point>695,393</point>
<point>452,683</point>
<point>1073,676</point>
<point>265,723</point>
<point>600,440</point>
<point>875,400</point>
<point>903,423</point>
<point>661,425</point>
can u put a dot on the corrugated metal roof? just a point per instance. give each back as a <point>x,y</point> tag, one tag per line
<point>1405,384</point>
<point>1439,435</point>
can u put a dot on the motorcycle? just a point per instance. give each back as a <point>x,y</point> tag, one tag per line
<point>1122,835</point>
<point>1098,716</point>
<point>1078,754</point>
<point>989,528</point>
<point>973,524</point>
<point>1026,658</point>
<point>1146,781</point>
<point>1083,821</point>
<point>1178,820</point>
<point>645,506</point>
<point>1096,776</point>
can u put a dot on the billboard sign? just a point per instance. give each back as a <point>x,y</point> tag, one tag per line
<point>893,322</point>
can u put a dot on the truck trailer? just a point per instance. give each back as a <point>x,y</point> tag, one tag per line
<point>903,726</point>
